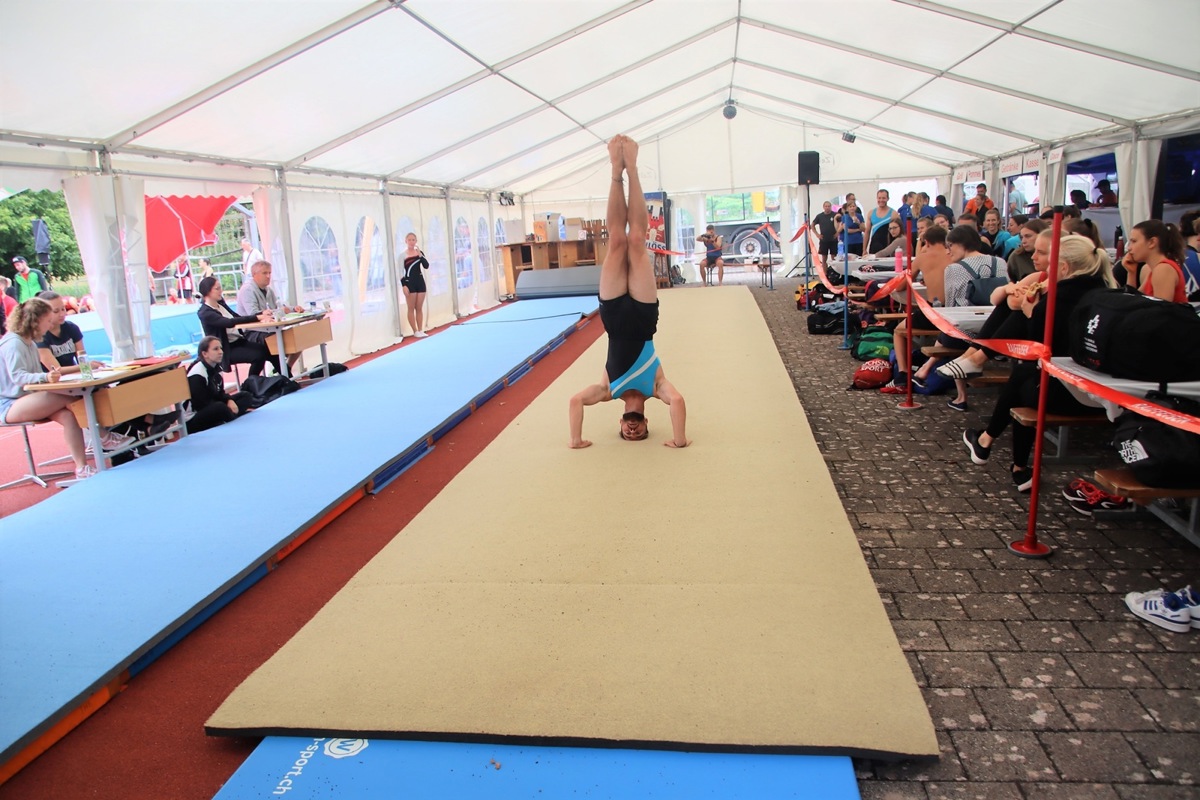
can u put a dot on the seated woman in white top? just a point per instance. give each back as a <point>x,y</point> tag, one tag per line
<point>20,366</point>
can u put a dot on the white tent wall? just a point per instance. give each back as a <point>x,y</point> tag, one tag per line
<point>109,216</point>
<point>268,212</point>
<point>434,240</point>
<point>337,265</point>
<point>471,278</point>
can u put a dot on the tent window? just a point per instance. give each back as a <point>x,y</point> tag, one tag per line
<point>371,299</point>
<point>320,268</point>
<point>464,265</point>
<point>483,247</point>
<point>500,237</point>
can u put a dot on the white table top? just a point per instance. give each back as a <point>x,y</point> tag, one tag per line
<point>967,318</point>
<point>877,275</point>
<point>1135,388</point>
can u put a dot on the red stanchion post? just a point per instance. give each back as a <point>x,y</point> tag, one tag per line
<point>907,403</point>
<point>1030,547</point>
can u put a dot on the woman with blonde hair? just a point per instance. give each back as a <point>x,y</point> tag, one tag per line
<point>1082,268</point>
<point>20,366</point>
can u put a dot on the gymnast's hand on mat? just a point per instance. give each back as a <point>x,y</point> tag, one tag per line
<point>579,444</point>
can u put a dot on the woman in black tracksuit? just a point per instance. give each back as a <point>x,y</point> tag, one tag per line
<point>211,405</point>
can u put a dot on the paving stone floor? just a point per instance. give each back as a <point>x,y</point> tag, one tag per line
<point>1040,683</point>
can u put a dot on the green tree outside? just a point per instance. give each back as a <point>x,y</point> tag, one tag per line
<point>16,233</point>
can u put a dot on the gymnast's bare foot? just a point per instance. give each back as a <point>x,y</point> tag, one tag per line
<point>616,154</point>
<point>630,150</point>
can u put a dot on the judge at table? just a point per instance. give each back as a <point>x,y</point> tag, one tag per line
<point>257,295</point>
<point>217,319</point>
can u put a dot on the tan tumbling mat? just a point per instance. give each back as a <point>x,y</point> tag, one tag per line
<point>712,597</point>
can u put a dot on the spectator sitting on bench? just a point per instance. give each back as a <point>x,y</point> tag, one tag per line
<point>1153,261</point>
<point>1020,263</point>
<point>1082,268</point>
<point>966,248</point>
<point>930,265</point>
<point>896,241</point>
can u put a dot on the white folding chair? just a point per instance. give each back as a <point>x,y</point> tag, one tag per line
<point>32,476</point>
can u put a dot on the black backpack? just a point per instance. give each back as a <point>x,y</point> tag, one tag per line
<point>1136,337</point>
<point>263,389</point>
<point>979,290</point>
<point>826,322</point>
<point>1159,454</point>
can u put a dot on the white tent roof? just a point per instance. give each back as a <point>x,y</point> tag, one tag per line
<point>518,95</point>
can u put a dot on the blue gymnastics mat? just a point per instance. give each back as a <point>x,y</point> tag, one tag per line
<point>101,578</point>
<point>171,327</point>
<point>303,768</point>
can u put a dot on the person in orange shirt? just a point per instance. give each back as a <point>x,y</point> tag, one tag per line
<point>980,203</point>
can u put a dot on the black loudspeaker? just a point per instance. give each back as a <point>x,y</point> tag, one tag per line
<point>809,167</point>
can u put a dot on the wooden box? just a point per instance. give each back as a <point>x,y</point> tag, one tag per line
<point>135,398</point>
<point>299,338</point>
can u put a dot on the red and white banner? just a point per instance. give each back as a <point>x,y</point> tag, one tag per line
<point>1032,162</point>
<point>1011,166</point>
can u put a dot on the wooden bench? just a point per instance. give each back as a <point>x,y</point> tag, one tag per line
<point>1120,481</point>
<point>1062,424</point>
<point>993,375</point>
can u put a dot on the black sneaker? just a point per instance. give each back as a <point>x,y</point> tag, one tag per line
<point>1023,478</point>
<point>979,453</point>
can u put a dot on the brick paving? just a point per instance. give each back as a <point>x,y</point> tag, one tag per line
<point>1040,683</point>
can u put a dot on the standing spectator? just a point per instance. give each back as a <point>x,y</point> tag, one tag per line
<point>851,222</point>
<point>206,270</point>
<point>183,279</point>
<point>28,281</point>
<point>250,256</point>
<point>881,215</point>
<point>946,211</point>
<point>917,209</point>
<point>980,203</point>
<point>1016,198</point>
<point>1105,196</point>
<point>825,224</point>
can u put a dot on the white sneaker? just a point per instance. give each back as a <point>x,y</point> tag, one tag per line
<point>1191,598</point>
<point>420,335</point>
<point>1164,609</point>
<point>113,441</point>
<point>86,471</point>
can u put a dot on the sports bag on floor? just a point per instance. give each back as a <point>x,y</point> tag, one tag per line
<point>1156,453</point>
<point>872,375</point>
<point>826,322</point>
<point>263,389</point>
<point>1136,337</point>
<point>874,343</point>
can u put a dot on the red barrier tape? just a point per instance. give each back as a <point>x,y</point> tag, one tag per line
<point>1014,348</point>
<point>886,289</point>
<point>820,265</point>
<point>1138,405</point>
<point>800,232</point>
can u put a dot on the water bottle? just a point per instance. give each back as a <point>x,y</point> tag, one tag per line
<point>899,262</point>
<point>1120,243</point>
<point>312,307</point>
<point>85,370</point>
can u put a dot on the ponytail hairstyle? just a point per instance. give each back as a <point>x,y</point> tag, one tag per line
<point>1083,227</point>
<point>1083,257</point>
<point>1170,243</point>
<point>24,318</point>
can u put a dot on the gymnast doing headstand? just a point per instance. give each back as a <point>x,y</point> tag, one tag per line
<point>629,311</point>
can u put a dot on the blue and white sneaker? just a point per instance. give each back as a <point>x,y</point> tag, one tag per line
<point>1191,599</point>
<point>1162,608</point>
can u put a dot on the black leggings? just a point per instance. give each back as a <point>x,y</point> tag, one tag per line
<point>218,413</point>
<point>1021,391</point>
<point>256,354</point>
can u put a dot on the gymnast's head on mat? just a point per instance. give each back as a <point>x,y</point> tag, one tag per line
<point>629,311</point>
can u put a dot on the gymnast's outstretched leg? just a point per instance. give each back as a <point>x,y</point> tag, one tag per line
<point>614,271</point>
<point>642,285</point>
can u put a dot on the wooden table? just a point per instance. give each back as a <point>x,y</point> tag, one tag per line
<point>520,256</point>
<point>121,393</point>
<point>295,333</point>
